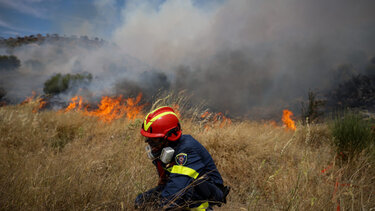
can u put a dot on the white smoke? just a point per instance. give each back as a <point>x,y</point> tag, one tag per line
<point>107,64</point>
<point>172,34</point>
<point>180,32</point>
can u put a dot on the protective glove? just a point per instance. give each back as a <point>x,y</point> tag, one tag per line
<point>149,198</point>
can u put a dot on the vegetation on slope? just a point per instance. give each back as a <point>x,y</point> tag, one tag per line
<point>66,161</point>
<point>14,42</point>
<point>60,83</point>
<point>8,63</point>
<point>352,133</point>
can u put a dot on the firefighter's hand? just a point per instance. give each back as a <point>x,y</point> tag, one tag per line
<point>139,201</point>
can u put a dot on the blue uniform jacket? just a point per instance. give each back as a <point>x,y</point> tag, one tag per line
<point>191,162</point>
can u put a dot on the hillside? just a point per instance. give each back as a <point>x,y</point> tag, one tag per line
<point>14,42</point>
<point>55,160</point>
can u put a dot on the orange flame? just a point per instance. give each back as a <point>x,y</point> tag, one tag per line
<point>42,104</point>
<point>132,110</point>
<point>75,101</point>
<point>214,119</point>
<point>205,114</point>
<point>288,122</point>
<point>223,119</point>
<point>29,99</point>
<point>109,108</point>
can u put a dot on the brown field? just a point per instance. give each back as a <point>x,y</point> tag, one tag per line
<point>66,161</point>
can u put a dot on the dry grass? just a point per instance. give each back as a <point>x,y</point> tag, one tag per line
<point>65,161</point>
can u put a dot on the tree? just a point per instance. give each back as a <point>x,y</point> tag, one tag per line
<point>60,83</point>
<point>358,92</point>
<point>9,62</point>
<point>312,111</point>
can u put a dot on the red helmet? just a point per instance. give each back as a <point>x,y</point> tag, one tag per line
<point>162,123</point>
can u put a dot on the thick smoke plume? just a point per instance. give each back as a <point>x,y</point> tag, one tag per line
<point>40,62</point>
<point>247,57</point>
<point>251,55</point>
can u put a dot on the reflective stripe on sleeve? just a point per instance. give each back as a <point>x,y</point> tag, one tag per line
<point>203,206</point>
<point>177,169</point>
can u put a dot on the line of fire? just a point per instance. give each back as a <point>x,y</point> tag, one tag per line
<point>112,108</point>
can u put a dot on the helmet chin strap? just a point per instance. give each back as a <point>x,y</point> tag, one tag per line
<point>172,131</point>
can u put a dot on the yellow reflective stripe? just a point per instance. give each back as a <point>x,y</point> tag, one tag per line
<point>177,169</point>
<point>153,112</point>
<point>203,206</point>
<point>147,125</point>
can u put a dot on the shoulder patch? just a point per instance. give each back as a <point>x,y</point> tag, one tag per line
<point>181,159</point>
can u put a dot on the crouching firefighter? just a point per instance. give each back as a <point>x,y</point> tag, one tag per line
<point>188,177</point>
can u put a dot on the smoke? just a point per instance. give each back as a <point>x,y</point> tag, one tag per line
<point>41,62</point>
<point>247,57</point>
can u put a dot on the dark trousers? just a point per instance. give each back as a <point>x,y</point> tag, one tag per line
<point>149,199</point>
<point>200,192</point>
<point>210,192</point>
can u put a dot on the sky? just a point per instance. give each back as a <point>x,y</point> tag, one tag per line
<point>71,17</point>
<point>96,18</point>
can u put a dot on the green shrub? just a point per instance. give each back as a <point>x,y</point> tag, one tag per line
<point>60,83</point>
<point>352,133</point>
<point>9,62</point>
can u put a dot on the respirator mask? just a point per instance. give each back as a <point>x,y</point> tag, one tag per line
<point>165,156</point>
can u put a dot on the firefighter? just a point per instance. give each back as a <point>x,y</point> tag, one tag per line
<point>188,177</point>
